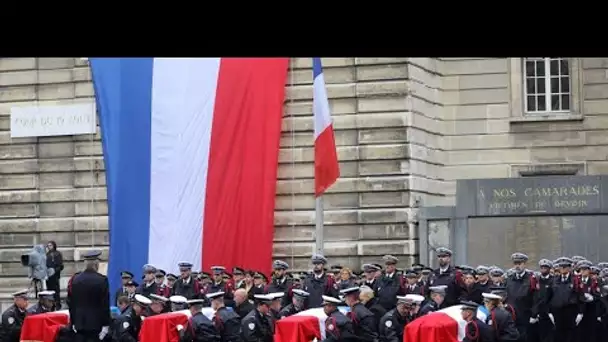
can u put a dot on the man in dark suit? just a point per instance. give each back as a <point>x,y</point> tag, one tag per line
<point>90,301</point>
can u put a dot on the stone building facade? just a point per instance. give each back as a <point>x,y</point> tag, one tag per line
<point>406,130</point>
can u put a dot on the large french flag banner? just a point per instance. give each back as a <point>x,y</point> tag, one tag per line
<point>191,153</point>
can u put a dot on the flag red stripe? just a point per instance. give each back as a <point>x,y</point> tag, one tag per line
<point>327,169</point>
<point>243,160</point>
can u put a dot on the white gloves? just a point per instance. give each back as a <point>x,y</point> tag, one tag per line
<point>552,319</point>
<point>179,327</point>
<point>578,319</point>
<point>103,332</point>
<point>74,329</point>
<point>599,319</point>
<point>588,297</point>
<point>533,320</point>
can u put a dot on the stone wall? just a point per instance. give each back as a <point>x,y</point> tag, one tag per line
<point>406,129</point>
<point>54,188</point>
<point>488,138</point>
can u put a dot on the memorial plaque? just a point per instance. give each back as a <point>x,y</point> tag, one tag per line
<point>492,240</point>
<point>535,195</point>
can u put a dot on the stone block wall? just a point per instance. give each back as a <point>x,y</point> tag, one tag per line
<point>54,188</point>
<point>406,130</point>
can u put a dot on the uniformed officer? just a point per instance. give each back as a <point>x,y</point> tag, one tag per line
<point>90,301</point>
<point>128,325</point>
<point>390,285</point>
<point>161,288</point>
<point>565,302</point>
<point>199,328</point>
<point>280,283</point>
<point>319,283</point>
<point>497,276</point>
<point>148,285</point>
<point>178,303</point>
<point>483,278</point>
<point>502,292</point>
<point>589,290</point>
<point>159,305</point>
<point>13,317</point>
<point>425,273</point>
<point>338,327</point>
<point>470,291</point>
<point>238,276</point>
<point>392,324</point>
<point>187,285</point>
<point>369,271</point>
<point>475,330</point>
<point>46,303</point>
<point>499,319</point>
<point>221,285</point>
<point>436,301</point>
<point>125,277</point>
<point>364,322</point>
<point>412,284</point>
<point>257,325</point>
<point>446,275</point>
<point>226,322</point>
<point>275,305</point>
<point>542,325</point>
<point>299,302</point>
<point>520,286</point>
<point>258,287</point>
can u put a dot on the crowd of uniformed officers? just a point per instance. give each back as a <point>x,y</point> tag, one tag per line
<point>565,300</point>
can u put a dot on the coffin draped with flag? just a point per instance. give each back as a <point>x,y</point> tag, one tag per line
<point>191,154</point>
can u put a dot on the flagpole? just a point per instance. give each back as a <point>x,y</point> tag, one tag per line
<point>319,228</point>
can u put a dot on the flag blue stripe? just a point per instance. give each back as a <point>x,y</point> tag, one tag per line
<point>317,68</point>
<point>123,88</point>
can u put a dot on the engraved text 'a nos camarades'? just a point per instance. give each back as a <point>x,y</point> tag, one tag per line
<point>539,199</point>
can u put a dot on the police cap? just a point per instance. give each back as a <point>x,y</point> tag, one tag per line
<point>481,270</point>
<point>178,299</point>
<point>468,305</point>
<point>443,252</point>
<point>263,299</point>
<point>545,263</point>
<point>158,299</point>
<point>46,295</point>
<point>215,295</point>
<point>280,265</point>
<point>126,275</point>
<point>238,271</point>
<point>327,300</point>
<point>171,276</point>
<point>91,255</point>
<point>300,293</point>
<point>440,289</point>
<point>411,273</point>
<point>218,269</point>
<point>149,269</point>
<point>370,268</point>
<point>20,294</point>
<point>318,259</point>
<point>519,257</point>
<point>184,266</point>
<point>390,260</point>
<point>193,302</point>
<point>350,290</point>
<point>141,300</point>
<point>160,273</point>
<point>414,298</point>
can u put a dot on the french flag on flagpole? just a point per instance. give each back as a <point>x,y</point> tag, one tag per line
<point>327,169</point>
<point>191,154</point>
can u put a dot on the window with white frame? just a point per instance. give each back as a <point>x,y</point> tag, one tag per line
<point>547,85</point>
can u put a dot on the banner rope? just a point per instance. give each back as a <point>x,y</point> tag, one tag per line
<point>293,159</point>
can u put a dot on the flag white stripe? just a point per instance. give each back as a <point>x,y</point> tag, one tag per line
<point>183,99</point>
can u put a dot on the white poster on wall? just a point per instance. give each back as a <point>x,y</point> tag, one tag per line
<point>53,119</point>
